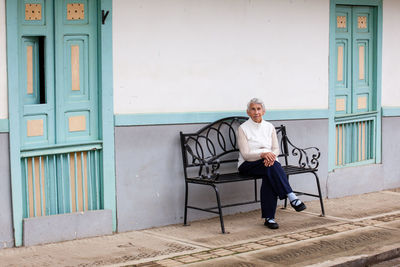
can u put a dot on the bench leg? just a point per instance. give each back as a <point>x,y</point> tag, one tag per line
<point>186,204</point>
<point>320,195</point>
<point>221,219</point>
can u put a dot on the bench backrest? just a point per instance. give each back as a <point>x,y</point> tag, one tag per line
<point>215,145</point>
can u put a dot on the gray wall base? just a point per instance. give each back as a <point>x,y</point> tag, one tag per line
<point>391,151</point>
<point>150,179</point>
<point>355,180</point>
<point>374,177</point>
<point>6,223</point>
<point>56,228</point>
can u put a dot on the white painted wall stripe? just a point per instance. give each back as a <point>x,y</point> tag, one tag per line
<point>391,54</point>
<point>3,62</point>
<point>205,55</point>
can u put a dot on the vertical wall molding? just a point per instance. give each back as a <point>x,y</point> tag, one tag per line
<point>13,111</point>
<point>107,102</point>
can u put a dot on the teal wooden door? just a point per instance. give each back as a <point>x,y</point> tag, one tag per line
<point>59,106</point>
<point>355,59</point>
<point>355,84</point>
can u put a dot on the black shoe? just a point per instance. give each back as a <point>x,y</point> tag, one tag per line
<point>271,225</point>
<point>299,207</point>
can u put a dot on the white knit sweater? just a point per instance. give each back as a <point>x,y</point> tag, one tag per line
<point>255,138</point>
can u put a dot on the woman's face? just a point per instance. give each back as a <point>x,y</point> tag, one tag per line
<point>256,112</point>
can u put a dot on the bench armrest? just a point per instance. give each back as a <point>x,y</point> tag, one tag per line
<point>308,161</point>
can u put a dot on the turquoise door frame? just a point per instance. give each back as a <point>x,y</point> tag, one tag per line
<point>106,126</point>
<point>332,75</point>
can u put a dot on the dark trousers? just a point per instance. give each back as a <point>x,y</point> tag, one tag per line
<point>274,184</point>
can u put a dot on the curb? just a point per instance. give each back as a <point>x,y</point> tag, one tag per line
<point>369,260</point>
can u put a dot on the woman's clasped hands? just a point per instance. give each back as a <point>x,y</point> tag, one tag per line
<point>269,158</point>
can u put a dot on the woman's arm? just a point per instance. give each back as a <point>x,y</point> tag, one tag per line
<point>244,147</point>
<point>274,144</point>
<point>270,157</point>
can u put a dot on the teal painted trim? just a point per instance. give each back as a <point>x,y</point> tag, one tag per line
<point>57,146</point>
<point>358,163</point>
<point>332,104</point>
<point>171,118</point>
<point>356,117</point>
<point>4,126</point>
<point>391,111</point>
<point>106,82</point>
<point>205,117</point>
<point>358,2</point>
<point>379,20</point>
<point>13,111</point>
<point>60,150</point>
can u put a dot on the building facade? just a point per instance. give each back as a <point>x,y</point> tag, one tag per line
<point>93,95</point>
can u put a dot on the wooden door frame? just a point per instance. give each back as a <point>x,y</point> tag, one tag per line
<point>332,59</point>
<point>105,102</point>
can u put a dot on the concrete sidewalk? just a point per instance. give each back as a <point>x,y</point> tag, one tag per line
<point>357,231</point>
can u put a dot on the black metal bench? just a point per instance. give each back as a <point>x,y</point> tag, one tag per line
<point>210,158</point>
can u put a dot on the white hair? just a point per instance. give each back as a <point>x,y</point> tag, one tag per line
<point>255,101</point>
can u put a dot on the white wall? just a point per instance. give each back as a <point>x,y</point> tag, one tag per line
<point>391,53</point>
<point>208,55</point>
<point>3,62</point>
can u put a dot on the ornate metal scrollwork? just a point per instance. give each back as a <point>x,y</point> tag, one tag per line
<point>304,159</point>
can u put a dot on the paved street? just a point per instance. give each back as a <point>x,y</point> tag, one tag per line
<point>357,231</point>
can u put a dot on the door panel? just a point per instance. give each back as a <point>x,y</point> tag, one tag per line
<point>36,72</point>
<point>343,60</point>
<point>363,61</point>
<point>76,70</point>
<point>30,72</point>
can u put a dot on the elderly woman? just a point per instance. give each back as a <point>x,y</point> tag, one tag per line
<point>258,146</point>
